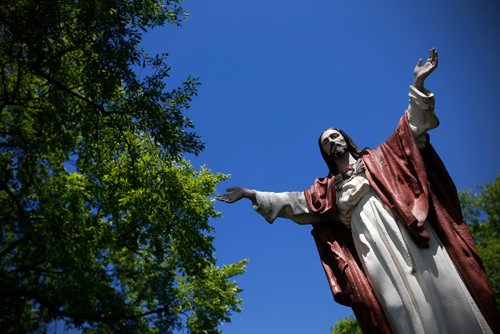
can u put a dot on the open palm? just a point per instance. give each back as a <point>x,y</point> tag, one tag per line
<point>421,72</point>
<point>234,194</point>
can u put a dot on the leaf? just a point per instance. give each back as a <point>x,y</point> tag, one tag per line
<point>104,224</point>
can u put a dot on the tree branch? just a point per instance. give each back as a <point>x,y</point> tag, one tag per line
<point>20,209</point>
<point>11,247</point>
<point>65,89</point>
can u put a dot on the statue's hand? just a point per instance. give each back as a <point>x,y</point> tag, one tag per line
<point>235,194</point>
<point>421,72</point>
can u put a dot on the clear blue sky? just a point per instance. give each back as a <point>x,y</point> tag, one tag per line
<point>276,73</point>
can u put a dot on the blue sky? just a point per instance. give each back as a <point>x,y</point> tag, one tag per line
<point>276,73</point>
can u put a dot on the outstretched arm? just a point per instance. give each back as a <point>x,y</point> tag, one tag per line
<point>290,205</point>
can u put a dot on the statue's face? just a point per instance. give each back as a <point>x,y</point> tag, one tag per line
<point>333,143</point>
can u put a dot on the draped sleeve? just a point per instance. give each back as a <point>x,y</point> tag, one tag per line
<point>397,173</point>
<point>420,114</point>
<point>321,196</point>
<point>290,205</point>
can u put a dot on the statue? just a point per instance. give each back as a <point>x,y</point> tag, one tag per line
<point>389,230</point>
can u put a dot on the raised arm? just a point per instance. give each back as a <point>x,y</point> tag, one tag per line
<point>420,110</point>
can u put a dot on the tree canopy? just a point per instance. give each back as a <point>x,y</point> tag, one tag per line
<point>347,325</point>
<point>104,224</point>
<point>482,213</point>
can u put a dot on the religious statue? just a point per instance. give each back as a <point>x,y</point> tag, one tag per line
<point>389,229</point>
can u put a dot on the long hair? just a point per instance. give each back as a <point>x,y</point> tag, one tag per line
<point>351,148</point>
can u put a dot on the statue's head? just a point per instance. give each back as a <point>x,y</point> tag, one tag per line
<point>333,143</point>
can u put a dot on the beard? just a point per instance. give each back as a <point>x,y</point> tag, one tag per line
<point>339,151</point>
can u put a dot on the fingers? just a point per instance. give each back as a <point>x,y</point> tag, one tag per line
<point>224,198</point>
<point>433,56</point>
<point>230,197</point>
<point>419,62</point>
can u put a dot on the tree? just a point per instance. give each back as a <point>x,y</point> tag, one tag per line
<point>482,213</point>
<point>348,325</point>
<point>104,224</point>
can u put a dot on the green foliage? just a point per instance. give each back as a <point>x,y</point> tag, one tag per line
<point>348,325</point>
<point>482,213</point>
<point>104,225</point>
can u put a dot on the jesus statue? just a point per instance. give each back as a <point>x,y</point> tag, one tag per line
<point>389,230</point>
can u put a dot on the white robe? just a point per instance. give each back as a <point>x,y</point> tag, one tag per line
<point>419,289</point>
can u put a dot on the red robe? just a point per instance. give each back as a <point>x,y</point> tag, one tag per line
<point>416,188</point>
